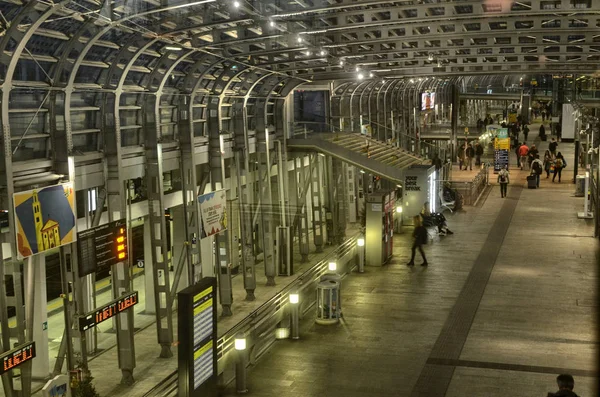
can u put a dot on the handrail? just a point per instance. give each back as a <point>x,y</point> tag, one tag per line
<point>269,309</point>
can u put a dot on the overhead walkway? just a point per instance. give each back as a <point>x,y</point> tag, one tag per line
<point>384,160</point>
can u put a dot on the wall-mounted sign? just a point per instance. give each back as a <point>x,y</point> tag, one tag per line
<point>501,150</point>
<point>17,356</point>
<point>45,219</point>
<point>101,247</point>
<point>108,311</point>
<point>213,211</point>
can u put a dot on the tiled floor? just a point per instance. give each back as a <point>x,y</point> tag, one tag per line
<point>535,315</point>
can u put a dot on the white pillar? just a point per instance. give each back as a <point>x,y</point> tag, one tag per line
<point>41,364</point>
<point>150,307</point>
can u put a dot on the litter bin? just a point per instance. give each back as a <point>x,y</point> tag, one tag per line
<point>328,302</point>
<point>580,186</point>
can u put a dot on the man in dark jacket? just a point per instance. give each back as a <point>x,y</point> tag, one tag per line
<point>469,154</point>
<point>565,383</point>
<point>478,153</point>
<point>420,238</point>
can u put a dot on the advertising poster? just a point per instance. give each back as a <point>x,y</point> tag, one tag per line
<point>427,100</point>
<point>45,219</point>
<point>213,211</point>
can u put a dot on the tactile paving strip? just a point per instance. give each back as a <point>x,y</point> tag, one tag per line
<point>435,378</point>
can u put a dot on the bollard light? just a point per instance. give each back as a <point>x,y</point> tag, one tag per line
<point>399,209</point>
<point>360,242</point>
<point>240,342</point>
<point>332,266</point>
<point>294,298</point>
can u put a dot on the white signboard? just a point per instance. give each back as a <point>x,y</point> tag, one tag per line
<point>213,211</point>
<point>57,387</point>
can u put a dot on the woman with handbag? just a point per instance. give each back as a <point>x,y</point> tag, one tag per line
<point>559,164</point>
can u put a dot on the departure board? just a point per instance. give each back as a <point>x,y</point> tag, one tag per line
<point>111,309</point>
<point>101,247</point>
<point>17,356</point>
<point>203,344</point>
<point>197,333</point>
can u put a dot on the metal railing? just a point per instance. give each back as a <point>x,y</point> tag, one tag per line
<point>471,190</point>
<point>259,327</point>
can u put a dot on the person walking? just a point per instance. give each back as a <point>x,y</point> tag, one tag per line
<point>461,156</point>
<point>420,238</point>
<point>542,132</point>
<point>533,152</point>
<point>552,146</point>
<point>469,154</point>
<point>548,162</point>
<point>523,152</point>
<point>517,152</point>
<point>503,180</point>
<point>478,153</point>
<point>536,169</point>
<point>566,384</point>
<point>525,132</point>
<point>559,164</point>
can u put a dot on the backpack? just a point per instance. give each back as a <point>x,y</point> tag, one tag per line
<point>559,163</point>
<point>502,178</point>
<point>537,168</point>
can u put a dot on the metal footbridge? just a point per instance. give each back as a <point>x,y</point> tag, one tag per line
<point>376,157</point>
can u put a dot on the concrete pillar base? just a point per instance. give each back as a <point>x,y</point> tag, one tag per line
<point>127,377</point>
<point>270,281</point>
<point>226,311</point>
<point>165,351</point>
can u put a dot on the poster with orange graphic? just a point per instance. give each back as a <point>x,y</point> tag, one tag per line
<point>44,219</point>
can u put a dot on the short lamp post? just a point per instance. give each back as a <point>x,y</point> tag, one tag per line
<point>360,243</point>
<point>240,364</point>
<point>333,267</point>
<point>295,315</point>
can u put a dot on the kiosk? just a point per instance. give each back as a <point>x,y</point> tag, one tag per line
<point>379,228</point>
<point>420,185</point>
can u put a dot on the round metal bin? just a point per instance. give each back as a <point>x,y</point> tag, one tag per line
<point>328,302</point>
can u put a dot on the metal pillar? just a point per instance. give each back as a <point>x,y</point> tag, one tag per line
<point>300,224</point>
<point>248,263</point>
<point>266,210</point>
<point>158,227</point>
<point>117,209</point>
<point>316,201</point>
<point>190,201</point>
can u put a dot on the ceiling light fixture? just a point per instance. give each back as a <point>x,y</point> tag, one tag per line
<point>341,63</point>
<point>299,39</point>
<point>371,75</point>
<point>322,53</point>
<point>361,76</point>
<point>236,4</point>
<point>430,57</point>
<point>272,24</point>
<point>172,48</point>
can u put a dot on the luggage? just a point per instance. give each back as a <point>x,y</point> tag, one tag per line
<point>531,182</point>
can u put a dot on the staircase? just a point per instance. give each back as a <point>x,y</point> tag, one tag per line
<point>384,160</point>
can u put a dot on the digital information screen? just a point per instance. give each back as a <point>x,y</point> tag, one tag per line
<point>107,311</point>
<point>101,247</point>
<point>501,150</point>
<point>197,333</point>
<point>17,356</point>
<point>203,344</point>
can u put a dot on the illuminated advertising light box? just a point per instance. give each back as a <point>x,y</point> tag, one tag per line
<point>108,311</point>
<point>17,356</point>
<point>44,219</point>
<point>197,334</point>
<point>101,247</point>
<point>427,100</point>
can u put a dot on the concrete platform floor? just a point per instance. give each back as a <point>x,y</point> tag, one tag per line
<point>507,303</point>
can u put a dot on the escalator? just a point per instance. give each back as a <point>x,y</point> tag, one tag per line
<point>384,160</point>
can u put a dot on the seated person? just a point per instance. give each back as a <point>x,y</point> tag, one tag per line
<point>435,219</point>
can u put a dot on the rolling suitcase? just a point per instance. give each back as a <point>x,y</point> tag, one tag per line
<point>531,182</point>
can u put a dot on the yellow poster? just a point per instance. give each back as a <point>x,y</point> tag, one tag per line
<point>45,219</point>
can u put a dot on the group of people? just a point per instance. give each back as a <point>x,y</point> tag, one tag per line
<point>466,153</point>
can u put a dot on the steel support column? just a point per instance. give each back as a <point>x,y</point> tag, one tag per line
<point>158,228</point>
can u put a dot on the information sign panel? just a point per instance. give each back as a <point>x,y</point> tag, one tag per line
<point>197,316</point>
<point>17,356</point>
<point>501,150</point>
<point>107,311</point>
<point>101,247</point>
